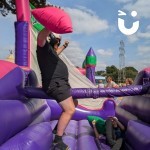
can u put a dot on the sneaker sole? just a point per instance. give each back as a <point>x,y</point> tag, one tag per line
<point>53,147</point>
<point>60,149</point>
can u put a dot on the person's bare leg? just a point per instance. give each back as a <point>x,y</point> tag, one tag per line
<point>75,101</point>
<point>68,110</point>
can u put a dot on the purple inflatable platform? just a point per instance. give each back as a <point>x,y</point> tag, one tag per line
<point>27,123</point>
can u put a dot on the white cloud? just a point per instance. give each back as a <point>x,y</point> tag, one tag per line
<point>101,65</point>
<point>133,38</point>
<point>140,35</point>
<point>141,6</point>
<point>145,35</point>
<point>143,59</point>
<point>144,50</point>
<point>85,21</point>
<point>148,27</point>
<point>123,1</point>
<point>139,64</point>
<point>105,53</point>
<point>103,62</point>
<point>75,54</point>
<point>84,9</point>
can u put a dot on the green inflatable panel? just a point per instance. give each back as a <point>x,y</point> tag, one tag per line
<point>91,60</point>
<point>100,124</point>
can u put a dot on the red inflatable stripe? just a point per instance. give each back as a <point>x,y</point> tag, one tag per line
<point>6,67</point>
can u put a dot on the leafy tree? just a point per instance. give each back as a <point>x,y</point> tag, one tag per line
<point>8,6</point>
<point>100,73</point>
<point>131,72</point>
<point>131,68</point>
<point>113,72</point>
<point>38,3</point>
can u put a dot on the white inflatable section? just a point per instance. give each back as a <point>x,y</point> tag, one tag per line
<point>33,59</point>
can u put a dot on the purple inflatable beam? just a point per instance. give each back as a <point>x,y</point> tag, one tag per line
<point>109,92</point>
<point>77,93</point>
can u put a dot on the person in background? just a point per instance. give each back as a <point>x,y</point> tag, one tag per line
<point>120,85</point>
<point>101,84</point>
<point>128,81</point>
<point>55,83</point>
<point>114,132</point>
<point>110,83</point>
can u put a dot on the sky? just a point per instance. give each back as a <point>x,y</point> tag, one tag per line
<point>95,25</point>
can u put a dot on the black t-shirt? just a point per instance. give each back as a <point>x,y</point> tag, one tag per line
<point>51,66</point>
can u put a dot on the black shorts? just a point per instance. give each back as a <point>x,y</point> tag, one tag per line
<point>59,90</point>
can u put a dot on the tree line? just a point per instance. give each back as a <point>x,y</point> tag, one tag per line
<point>113,71</point>
<point>9,6</point>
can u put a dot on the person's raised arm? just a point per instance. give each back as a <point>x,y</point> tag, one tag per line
<point>109,133</point>
<point>95,130</point>
<point>42,37</point>
<point>120,125</point>
<point>61,48</point>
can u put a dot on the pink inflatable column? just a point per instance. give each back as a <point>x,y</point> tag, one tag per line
<point>23,10</point>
